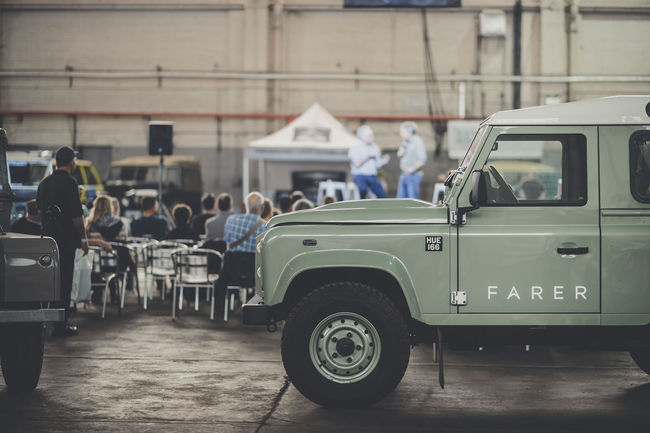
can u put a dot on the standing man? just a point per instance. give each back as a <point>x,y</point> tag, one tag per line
<point>412,156</point>
<point>62,219</point>
<point>365,159</point>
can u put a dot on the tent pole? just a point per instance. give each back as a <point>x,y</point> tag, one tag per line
<point>262,175</point>
<point>245,175</point>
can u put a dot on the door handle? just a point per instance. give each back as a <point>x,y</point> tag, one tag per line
<point>572,251</point>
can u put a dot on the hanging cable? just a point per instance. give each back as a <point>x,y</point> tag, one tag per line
<point>434,99</point>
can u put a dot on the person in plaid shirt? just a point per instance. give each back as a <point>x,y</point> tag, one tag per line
<point>238,225</point>
<point>238,266</point>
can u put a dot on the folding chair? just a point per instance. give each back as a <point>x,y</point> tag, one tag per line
<point>127,265</point>
<point>160,265</point>
<point>215,244</point>
<point>187,242</point>
<point>139,245</point>
<point>105,267</point>
<point>193,269</point>
<point>237,277</point>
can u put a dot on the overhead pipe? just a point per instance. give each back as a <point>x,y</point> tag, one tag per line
<point>148,114</point>
<point>415,78</point>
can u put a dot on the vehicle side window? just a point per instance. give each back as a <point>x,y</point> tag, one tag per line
<point>537,170</point>
<point>122,173</point>
<point>78,176</point>
<point>93,176</point>
<point>26,173</point>
<point>173,177</point>
<point>640,166</point>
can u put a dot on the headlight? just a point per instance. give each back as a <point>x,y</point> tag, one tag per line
<point>45,261</point>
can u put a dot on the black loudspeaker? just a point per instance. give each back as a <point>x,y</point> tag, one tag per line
<point>161,138</point>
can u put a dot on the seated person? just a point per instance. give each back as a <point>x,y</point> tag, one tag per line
<point>30,224</point>
<point>240,233</point>
<point>209,204</point>
<point>182,214</point>
<point>214,226</point>
<point>267,210</point>
<point>303,204</point>
<point>285,204</point>
<point>117,211</point>
<point>102,223</point>
<point>150,224</point>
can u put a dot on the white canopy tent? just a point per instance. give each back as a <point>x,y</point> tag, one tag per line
<point>314,136</point>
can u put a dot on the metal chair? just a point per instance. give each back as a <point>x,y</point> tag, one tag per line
<point>127,265</point>
<point>237,277</point>
<point>139,244</point>
<point>193,269</point>
<point>105,268</point>
<point>188,242</point>
<point>159,263</point>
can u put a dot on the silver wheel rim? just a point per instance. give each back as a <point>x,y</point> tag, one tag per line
<point>345,347</point>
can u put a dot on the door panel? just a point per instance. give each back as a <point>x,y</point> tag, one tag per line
<point>515,267</point>
<point>625,220</point>
<point>535,249</point>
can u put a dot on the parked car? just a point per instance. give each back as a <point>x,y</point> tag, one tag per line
<point>358,283</point>
<point>181,178</point>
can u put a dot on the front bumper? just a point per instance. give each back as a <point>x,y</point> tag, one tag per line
<point>26,316</point>
<point>254,312</point>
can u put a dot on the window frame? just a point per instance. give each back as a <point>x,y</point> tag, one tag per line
<point>562,138</point>
<point>634,158</point>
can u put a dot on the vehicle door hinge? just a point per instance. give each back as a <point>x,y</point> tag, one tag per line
<point>454,218</point>
<point>458,298</point>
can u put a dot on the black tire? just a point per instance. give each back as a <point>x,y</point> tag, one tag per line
<point>376,367</point>
<point>22,356</point>
<point>642,359</point>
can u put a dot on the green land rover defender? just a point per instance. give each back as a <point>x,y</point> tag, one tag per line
<point>553,256</point>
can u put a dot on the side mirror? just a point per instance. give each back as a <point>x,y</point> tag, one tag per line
<point>478,196</point>
<point>450,179</point>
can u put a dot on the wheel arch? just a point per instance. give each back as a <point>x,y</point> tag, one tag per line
<point>307,272</point>
<point>311,279</point>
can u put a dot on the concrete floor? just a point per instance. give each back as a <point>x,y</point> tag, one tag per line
<point>142,372</point>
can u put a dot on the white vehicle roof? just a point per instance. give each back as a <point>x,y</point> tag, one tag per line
<point>612,110</point>
<point>17,155</point>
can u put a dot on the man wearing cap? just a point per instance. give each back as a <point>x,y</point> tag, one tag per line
<point>62,218</point>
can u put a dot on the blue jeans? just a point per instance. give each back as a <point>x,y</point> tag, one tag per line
<point>364,182</point>
<point>409,185</point>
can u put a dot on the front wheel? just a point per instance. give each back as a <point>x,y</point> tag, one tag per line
<point>642,359</point>
<point>345,345</point>
<point>22,356</point>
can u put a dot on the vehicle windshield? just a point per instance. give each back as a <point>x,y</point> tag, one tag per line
<point>27,173</point>
<point>471,151</point>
